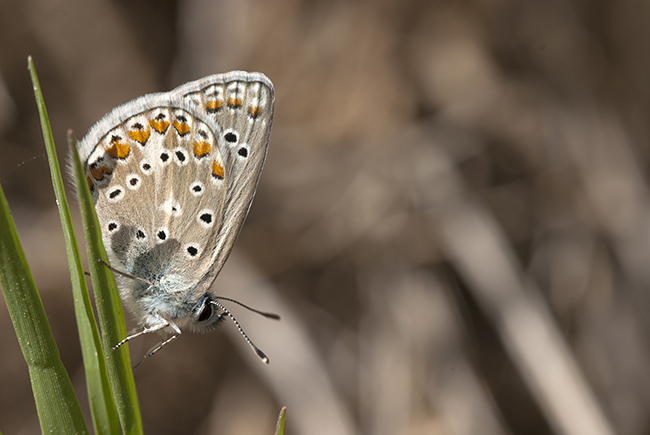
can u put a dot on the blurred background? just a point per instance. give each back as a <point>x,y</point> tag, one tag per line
<point>453,221</point>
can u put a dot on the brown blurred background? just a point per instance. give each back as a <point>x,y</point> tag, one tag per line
<point>453,221</point>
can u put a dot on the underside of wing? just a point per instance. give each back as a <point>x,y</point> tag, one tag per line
<point>173,176</point>
<point>157,179</point>
<point>242,105</point>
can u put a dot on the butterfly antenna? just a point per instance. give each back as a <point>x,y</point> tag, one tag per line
<point>265,314</point>
<point>258,351</point>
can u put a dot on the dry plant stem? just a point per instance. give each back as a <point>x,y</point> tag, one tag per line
<point>481,253</point>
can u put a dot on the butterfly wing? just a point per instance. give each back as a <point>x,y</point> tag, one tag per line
<point>173,176</point>
<point>151,167</point>
<point>242,105</point>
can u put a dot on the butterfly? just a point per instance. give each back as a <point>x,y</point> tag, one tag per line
<point>172,176</point>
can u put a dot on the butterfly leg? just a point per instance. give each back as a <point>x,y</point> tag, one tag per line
<point>157,327</point>
<point>176,332</point>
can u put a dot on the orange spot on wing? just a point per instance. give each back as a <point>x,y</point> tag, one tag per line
<point>118,149</point>
<point>89,180</point>
<point>213,106</point>
<point>234,102</point>
<point>139,134</point>
<point>98,172</point>
<point>254,111</point>
<point>202,148</point>
<point>217,170</point>
<point>159,125</point>
<point>181,127</point>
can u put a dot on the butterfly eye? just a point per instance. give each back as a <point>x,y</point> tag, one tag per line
<point>206,311</point>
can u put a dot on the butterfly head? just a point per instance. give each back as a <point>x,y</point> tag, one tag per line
<point>170,300</point>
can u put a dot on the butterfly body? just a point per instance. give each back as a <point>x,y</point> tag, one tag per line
<point>172,177</point>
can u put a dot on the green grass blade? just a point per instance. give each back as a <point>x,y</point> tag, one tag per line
<point>56,403</point>
<point>279,430</point>
<point>105,418</point>
<point>109,309</point>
